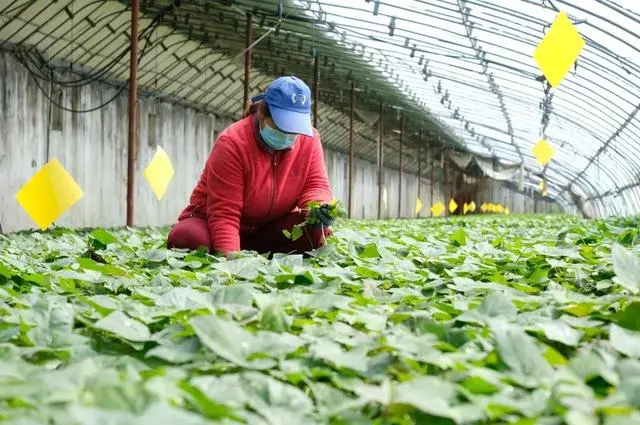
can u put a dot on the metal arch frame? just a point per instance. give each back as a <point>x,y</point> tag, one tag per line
<point>306,34</point>
<point>580,85</point>
<point>491,32</point>
<point>179,42</point>
<point>55,54</point>
<point>599,48</point>
<point>594,125</point>
<point>495,88</point>
<point>620,87</point>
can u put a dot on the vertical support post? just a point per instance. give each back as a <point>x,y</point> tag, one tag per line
<point>247,59</point>
<point>380,161</point>
<point>351,146</point>
<point>400,166</point>
<point>316,88</point>
<point>445,187</point>
<point>133,103</point>
<point>419,166</point>
<point>431,179</point>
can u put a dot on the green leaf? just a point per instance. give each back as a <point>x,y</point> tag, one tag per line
<point>629,318</point>
<point>331,401</point>
<point>333,354</point>
<point>181,352</point>
<point>495,305</point>
<point>275,401</point>
<point>233,343</point>
<point>101,238</point>
<point>590,365</point>
<point>370,250</point>
<point>273,344</point>
<point>625,341</point>
<point>226,339</point>
<point>273,318</point>
<point>236,294</point>
<point>245,268</point>
<point>296,233</point>
<point>519,351</point>
<point>459,237</point>
<point>627,268</point>
<point>154,255</point>
<point>478,385</point>
<point>430,395</point>
<point>53,323</point>
<point>560,331</point>
<point>124,327</point>
<point>182,298</point>
<point>5,270</point>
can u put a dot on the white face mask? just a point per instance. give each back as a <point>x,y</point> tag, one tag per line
<point>276,139</point>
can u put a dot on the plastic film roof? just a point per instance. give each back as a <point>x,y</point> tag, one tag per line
<point>192,53</point>
<point>471,64</point>
<point>461,72</point>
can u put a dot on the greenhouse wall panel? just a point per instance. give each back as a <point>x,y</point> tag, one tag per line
<point>93,148</point>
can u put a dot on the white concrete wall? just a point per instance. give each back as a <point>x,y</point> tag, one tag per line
<point>93,148</point>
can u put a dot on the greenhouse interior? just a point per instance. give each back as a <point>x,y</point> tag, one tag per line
<point>320,212</point>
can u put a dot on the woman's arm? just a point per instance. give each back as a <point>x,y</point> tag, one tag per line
<point>316,186</point>
<point>225,191</point>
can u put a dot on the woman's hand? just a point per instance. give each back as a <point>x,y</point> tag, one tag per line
<point>321,217</point>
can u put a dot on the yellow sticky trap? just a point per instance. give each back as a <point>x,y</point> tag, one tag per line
<point>484,207</point>
<point>452,206</point>
<point>465,208</point>
<point>541,186</point>
<point>472,206</point>
<point>559,49</point>
<point>159,173</point>
<point>543,152</point>
<point>48,194</point>
<point>506,211</point>
<point>418,206</point>
<point>437,209</point>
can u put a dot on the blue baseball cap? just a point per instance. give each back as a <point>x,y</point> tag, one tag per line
<point>289,100</point>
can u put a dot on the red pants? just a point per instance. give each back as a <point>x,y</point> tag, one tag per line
<point>193,233</point>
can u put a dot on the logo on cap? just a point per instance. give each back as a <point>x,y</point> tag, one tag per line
<point>298,97</point>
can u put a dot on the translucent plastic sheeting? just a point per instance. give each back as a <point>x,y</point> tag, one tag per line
<point>461,70</point>
<point>470,63</point>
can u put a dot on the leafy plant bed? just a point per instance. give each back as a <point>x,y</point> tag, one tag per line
<point>487,320</point>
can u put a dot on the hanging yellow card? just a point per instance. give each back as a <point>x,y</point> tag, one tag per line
<point>48,194</point>
<point>452,206</point>
<point>418,206</point>
<point>159,173</point>
<point>437,209</point>
<point>559,49</point>
<point>543,152</point>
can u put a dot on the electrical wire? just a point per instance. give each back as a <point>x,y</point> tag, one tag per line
<point>99,75</point>
<point>23,57</point>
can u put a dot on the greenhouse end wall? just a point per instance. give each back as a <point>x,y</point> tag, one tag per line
<point>93,148</point>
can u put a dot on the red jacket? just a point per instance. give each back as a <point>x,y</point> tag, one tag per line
<point>245,185</point>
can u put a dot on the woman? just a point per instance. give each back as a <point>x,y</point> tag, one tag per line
<point>258,179</point>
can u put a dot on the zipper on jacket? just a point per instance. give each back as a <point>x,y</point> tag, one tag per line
<point>273,183</point>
